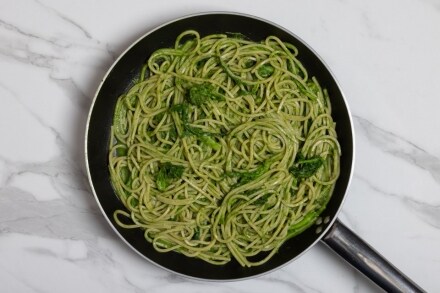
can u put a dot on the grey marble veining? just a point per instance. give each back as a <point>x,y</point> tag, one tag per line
<point>53,55</point>
<point>400,147</point>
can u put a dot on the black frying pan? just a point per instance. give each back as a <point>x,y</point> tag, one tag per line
<point>120,77</point>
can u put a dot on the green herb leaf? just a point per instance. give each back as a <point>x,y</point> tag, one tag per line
<point>266,70</point>
<point>246,177</point>
<point>182,110</point>
<point>125,175</point>
<point>209,141</point>
<point>203,136</point>
<point>167,173</point>
<point>189,130</point>
<point>251,176</point>
<point>310,90</point>
<point>134,202</point>
<point>302,225</point>
<point>305,168</point>
<point>201,93</point>
<point>121,151</point>
<point>158,117</point>
<point>196,235</point>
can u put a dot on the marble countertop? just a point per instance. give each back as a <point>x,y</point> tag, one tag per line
<point>53,54</point>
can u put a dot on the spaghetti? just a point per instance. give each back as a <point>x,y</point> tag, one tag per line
<point>223,149</point>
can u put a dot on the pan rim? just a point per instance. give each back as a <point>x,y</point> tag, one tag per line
<point>104,78</point>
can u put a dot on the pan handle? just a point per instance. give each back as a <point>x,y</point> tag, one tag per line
<point>368,261</point>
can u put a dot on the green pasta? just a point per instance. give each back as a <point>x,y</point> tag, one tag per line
<point>223,149</point>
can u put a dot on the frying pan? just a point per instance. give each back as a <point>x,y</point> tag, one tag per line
<point>332,232</point>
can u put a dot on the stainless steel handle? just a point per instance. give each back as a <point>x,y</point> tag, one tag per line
<point>367,260</point>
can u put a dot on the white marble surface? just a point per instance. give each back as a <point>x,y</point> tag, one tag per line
<point>53,54</point>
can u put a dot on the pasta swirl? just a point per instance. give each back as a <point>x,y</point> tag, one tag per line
<point>223,149</point>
